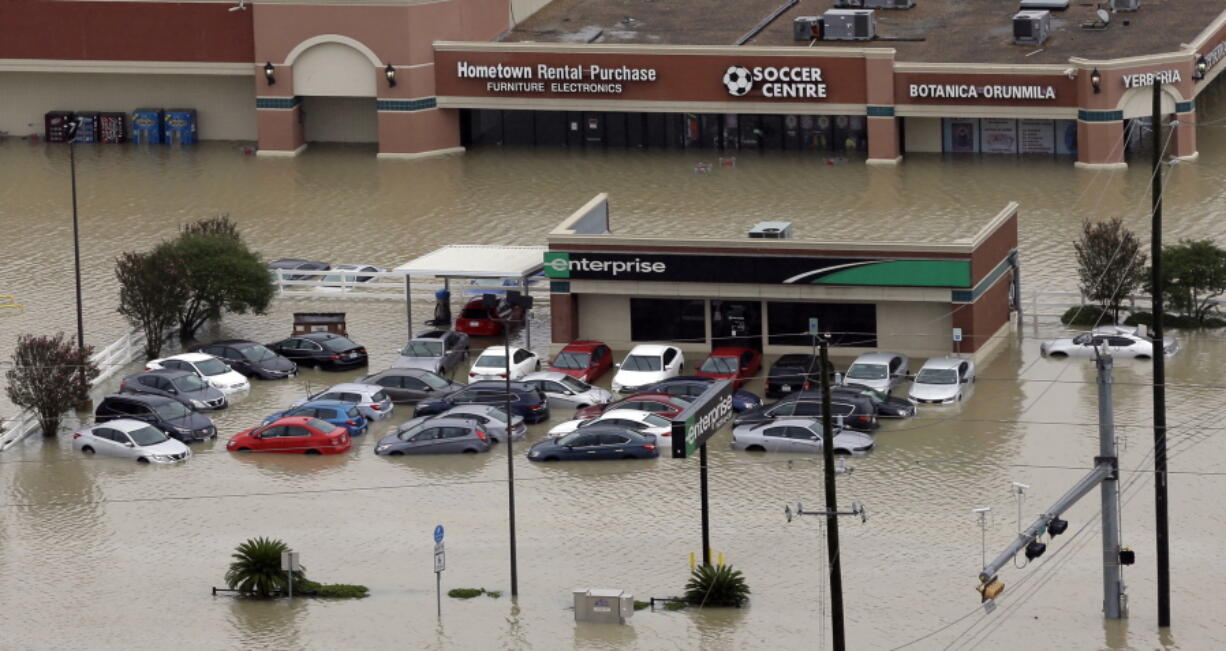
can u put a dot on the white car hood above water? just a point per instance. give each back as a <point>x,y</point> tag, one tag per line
<point>626,378</point>
<point>934,391</point>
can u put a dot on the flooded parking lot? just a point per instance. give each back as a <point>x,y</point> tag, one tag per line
<point>100,553</point>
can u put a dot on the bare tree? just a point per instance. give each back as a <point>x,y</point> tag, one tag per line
<point>1110,264</point>
<point>50,375</point>
<point>152,291</point>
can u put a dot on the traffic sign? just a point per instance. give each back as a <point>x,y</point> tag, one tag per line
<point>438,533</point>
<point>957,334</point>
<point>812,325</point>
<point>440,558</point>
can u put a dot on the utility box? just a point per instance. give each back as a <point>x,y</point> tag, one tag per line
<point>807,28</point>
<point>180,126</point>
<point>849,25</point>
<point>147,126</point>
<point>1031,27</point>
<point>305,322</point>
<point>603,605</point>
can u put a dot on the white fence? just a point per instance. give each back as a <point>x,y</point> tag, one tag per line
<point>1051,305</point>
<point>374,284</point>
<point>110,361</point>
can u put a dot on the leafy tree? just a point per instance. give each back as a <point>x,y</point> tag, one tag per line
<point>50,375</point>
<point>1110,264</point>
<point>256,569</point>
<point>1194,274</point>
<point>220,274</point>
<point>151,294</point>
<point>716,585</point>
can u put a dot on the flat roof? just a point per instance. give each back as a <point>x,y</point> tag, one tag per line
<point>476,261</point>
<point>934,31</point>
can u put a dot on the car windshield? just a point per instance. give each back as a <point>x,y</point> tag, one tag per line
<point>570,439</point>
<point>574,361</point>
<point>189,383</point>
<point>353,413</point>
<point>868,372</point>
<point>1083,340</point>
<point>147,436</point>
<point>258,353</point>
<point>435,381</point>
<point>474,313</point>
<point>212,367</point>
<point>656,420</point>
<point>641,363</point>
<point>874,396</point>
<point>575,385</point>
<point>498,415</point>
<point>172,410</point>
<point>338,344</point>
<point>320,425</point>
<point>408,432</point>
<point>937,376</point>
<point>491,360</point>
<point>719,365</point>
<point>423,349</point>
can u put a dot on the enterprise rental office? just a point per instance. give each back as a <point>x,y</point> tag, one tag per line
<point>760,293</point>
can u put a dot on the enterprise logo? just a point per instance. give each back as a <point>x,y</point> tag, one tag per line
<point>711,421</point>
<point>558,264</point>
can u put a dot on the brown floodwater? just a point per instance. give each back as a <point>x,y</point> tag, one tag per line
<point>100,553</point>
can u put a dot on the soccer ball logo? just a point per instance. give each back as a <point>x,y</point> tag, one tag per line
<point>738,81</point>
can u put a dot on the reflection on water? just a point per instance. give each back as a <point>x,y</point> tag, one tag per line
<point>138,545</point>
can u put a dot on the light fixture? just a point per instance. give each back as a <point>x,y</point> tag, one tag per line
<point>390,72</point>
<point>1202,66</point>
<point>270,73</point>
<point>1096,80</point>
<point>1057,526</point>
<point>1034,550</point>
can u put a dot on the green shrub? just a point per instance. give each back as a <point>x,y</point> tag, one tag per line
<point>1086,315</point>
<point>465,593</point>
<point>674,605</point>
<point>1177,321</point>
<point>334,590</point>
<point>256,569</point>
<point>716,585</point>
<point>639,605</point>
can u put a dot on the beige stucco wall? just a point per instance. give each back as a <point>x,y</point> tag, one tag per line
<point>521,9</point>
<point>224,104</point>
<point>605,318</point>
<point>923,135</point>
<point>340,119</point>
<point>915,328</point>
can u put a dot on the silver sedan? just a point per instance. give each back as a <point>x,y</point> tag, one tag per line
<point>803,435</point>
<point>130,439</point>
<point>1121,341</point>
<point>491,419</point>
<point>562,390</point>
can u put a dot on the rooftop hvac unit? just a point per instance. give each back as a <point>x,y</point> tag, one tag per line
<point>771,231</point>
<point>849,4</point>
<point>1125,5</point>
<point>807,28</point>
<point>1031,27</point>
<point>889,4</point>
<point>1050,5</point>
<point>849,25</point>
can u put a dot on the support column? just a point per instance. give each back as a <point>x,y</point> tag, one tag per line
<point>1183,140</point>
<point>1100,139</point>
<point>278,113</point>
<point>563,318</point>
<point>884,145</point>
<point>410,123</point>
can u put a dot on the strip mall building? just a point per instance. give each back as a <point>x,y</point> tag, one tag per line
<point>426,77</point>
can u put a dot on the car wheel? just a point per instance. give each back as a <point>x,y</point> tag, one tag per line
<point>87,450</point>
<point>243,450</point>
<point>1142,357</point>
<point>395,453</point>
<point>755,448</point>
<point>470,451</point>
<point>550,459</point>
<point>629,456</point>
<point>538,364</point>
<point>842,451</point>
<point>142,460</point>
<point>313,451</point>
<point>1057,355</point>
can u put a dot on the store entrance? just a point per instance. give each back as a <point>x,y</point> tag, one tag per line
<point>736,323</point>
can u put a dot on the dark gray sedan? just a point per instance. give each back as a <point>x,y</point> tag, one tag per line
<point>435,436</point>
<point>595,443</point>
<point>411,385</point>
<point>186,387</point>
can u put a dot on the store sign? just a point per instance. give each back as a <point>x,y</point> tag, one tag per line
<point>757,269</point>
<point>710,411</point>
<point>1142,79</point>
<point>1215,56</point>
<point>990,91</point>
<point>543,78</point>
<point>788,82</point>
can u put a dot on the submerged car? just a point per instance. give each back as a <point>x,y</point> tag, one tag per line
<point>130,439</point>
<point>791,373</point>
<point>596,443</point>
<point>663,404</point>
<point>492,364</point>
<point>477,319</point>
<point>802,435</point>
<point>492,420</point>
<point>250,358</point>
<point>879,371</point>
<point>345,275</point>
<point>324,350</point>
<point>370,399</point>
<point>887,406</point>
<point>291,264</point>
<point>737,365</point>
<point>853,410</point>
<point>409,385</point>
<point>292,435</point>
<point>440,351</point>
<point>942,380</point>
<point>341,414</point>
<point>1121,341</point>
<point>527,401</point>
<point>435,435</point>
<point>166,414</point>
<point>184,386</point>
<point>583,360</point>
<point>647,364</point>
<point>692,386</point>
<point>212,370</point>
<point>565,391</point>
<point>640,421</point>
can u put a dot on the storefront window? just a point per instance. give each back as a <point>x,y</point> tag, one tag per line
<point>849,324</point>
<point>660,319</point>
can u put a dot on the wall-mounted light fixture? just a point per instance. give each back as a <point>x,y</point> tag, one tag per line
<point>1096,80</point>
<point>390,73</point>
<point>270,73</point>
<point>1202,66</point>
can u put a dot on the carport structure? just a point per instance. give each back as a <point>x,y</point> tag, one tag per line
<point>475,261</point>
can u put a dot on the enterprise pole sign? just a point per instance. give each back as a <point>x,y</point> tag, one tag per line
<point>711,410</point>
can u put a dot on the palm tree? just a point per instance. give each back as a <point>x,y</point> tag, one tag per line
<point>256,570</point>
<point>716,585</point>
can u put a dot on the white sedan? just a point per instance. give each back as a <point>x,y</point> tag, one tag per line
<point>212,370</point>
<point>130,439</point>
<point>647,364</point>
<point>643,421</point>
<point>492,364</point>
<point>1121,341</point>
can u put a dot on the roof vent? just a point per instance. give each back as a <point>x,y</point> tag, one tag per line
<point>771,231</point>
<point>889,4</point>
<point>1031,27</point>
<point>1125,5</point>
<point>849,25</point>
<point>807,28</point>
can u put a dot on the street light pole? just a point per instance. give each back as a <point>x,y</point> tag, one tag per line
<point>76,237</point>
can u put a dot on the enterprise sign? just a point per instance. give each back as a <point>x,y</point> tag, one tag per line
<point>554,79</point>
<point>711,410</point>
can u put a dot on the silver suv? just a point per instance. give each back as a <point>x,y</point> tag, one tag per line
<point>441,351</point>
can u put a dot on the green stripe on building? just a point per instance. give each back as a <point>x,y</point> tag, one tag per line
<point>904,273</point>
<point>1099,116</point>
<point>406,104</point>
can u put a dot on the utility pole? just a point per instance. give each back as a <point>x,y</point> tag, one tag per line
<point>1113,580</point>
<point>506,357</point>
<point>1157,337</point>
<point>832,507</point>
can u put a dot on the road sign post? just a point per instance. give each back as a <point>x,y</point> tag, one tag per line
<point>440,564</point>
<point>289,563</point>
<point>711,410</point>
<point>958,340</point>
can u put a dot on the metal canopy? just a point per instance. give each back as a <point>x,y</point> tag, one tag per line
<point>476,261</point>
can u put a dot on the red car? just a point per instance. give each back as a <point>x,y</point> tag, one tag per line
<point>476,319</point>
<point>663,404</point>
<point>584,360</point>
<point>731,363</point>
<point>293,435</point>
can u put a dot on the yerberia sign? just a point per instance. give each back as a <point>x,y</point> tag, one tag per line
<point>543,78</point>
<point>711,410</point>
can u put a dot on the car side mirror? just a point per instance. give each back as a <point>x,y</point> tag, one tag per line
<point>617,365</point>
<point>173,390</point>
<point>257,436</point>
<point>130,444</point>
<point>965,380</point>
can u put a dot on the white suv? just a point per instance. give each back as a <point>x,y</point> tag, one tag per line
<point>209,368</point>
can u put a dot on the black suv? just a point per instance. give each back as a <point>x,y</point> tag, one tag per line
<point>792,373</point>
<point>249,358</point>
<point>526,400</point>
<point>322,349</point>
<point>858,411</point>
<point>166,414</point>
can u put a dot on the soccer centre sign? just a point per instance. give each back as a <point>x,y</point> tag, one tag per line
<point>711,410</point>
<point>790,82</point>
